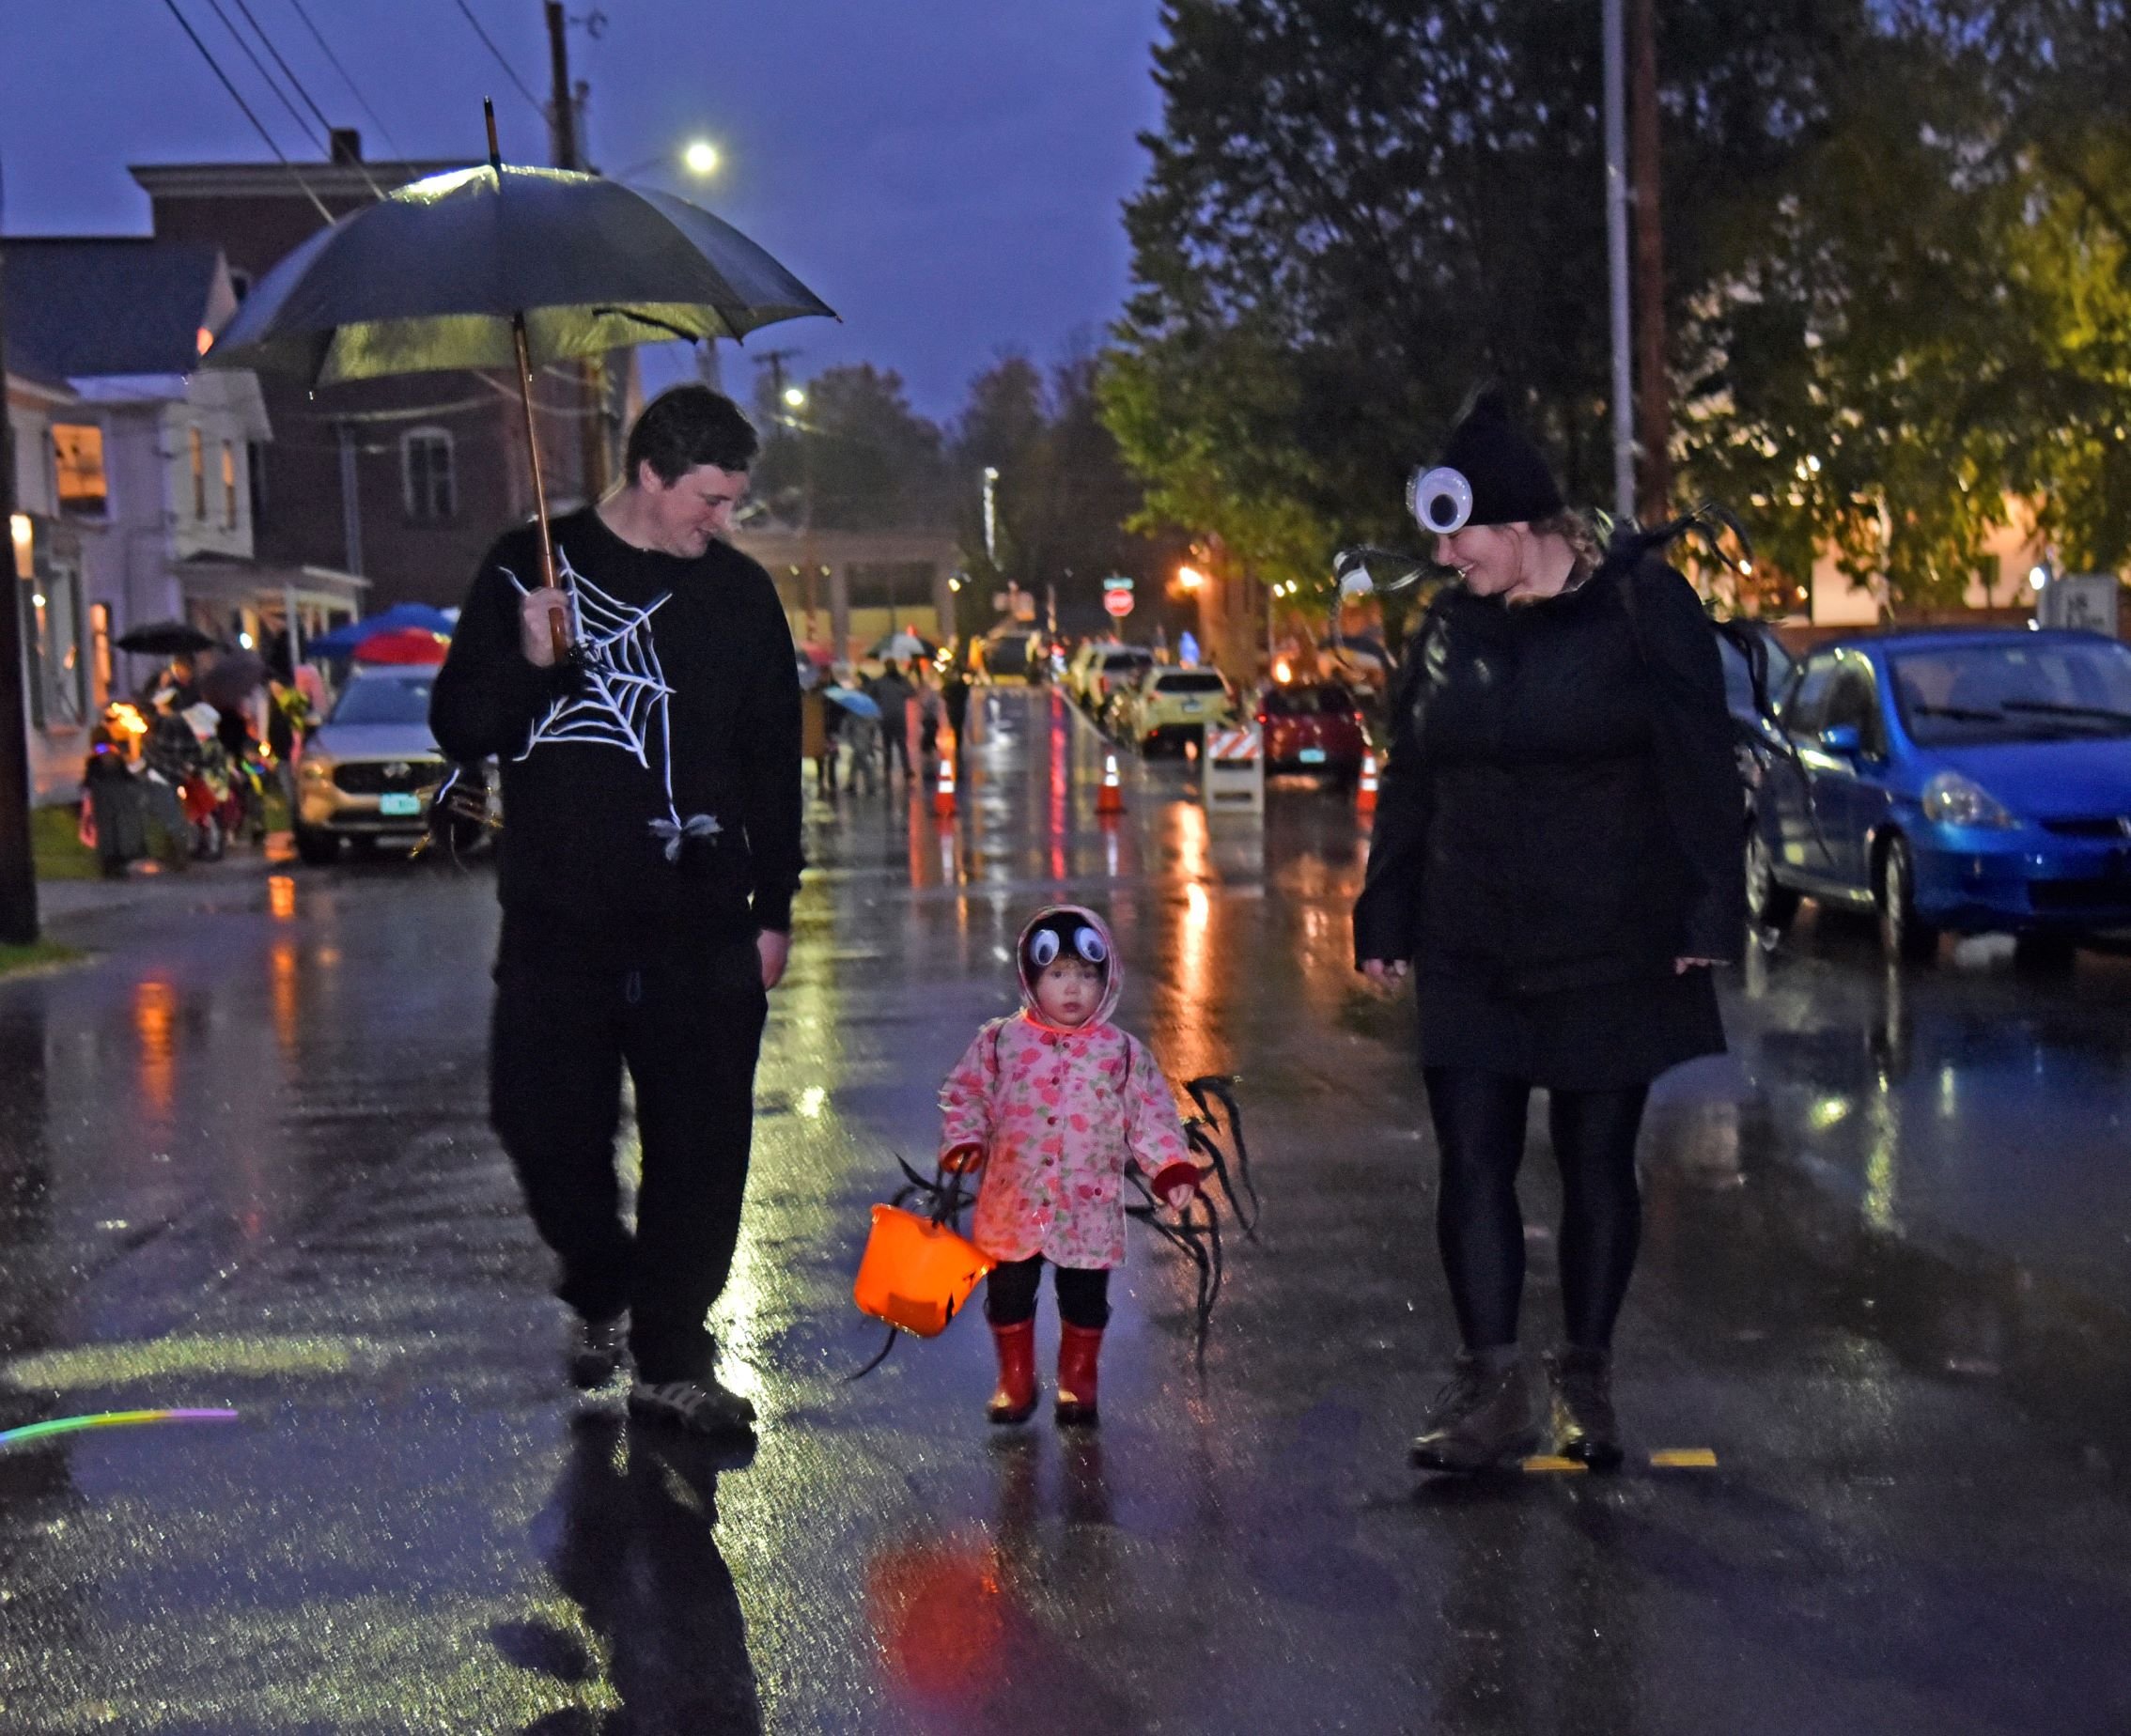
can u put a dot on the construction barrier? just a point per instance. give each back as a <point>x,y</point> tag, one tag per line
<point>1235,767</point>
<point>1366,797</point>
<point>943,794</point>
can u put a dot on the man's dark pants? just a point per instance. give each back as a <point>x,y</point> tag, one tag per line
<point>688,1036</point>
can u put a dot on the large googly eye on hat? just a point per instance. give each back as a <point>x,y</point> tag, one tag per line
<point>1441,499</point>
<point>1042,948</point>
<point>1088,944</point>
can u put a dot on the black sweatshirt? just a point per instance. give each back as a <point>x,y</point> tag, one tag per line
<point>1562,806</point>
<point>652,802</point>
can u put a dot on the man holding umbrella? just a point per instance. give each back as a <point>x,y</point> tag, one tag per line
<point>652,777</point>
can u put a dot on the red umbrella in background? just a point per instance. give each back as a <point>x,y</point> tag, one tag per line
<point>403,644</point>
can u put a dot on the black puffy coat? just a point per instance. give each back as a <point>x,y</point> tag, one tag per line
<point>1561,808</point>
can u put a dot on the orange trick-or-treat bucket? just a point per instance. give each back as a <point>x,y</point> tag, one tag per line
<point>916,1274</point>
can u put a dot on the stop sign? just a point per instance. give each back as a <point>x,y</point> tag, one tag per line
<point>1119,603</point>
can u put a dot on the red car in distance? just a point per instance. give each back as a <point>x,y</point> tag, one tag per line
<point>1311,726</point>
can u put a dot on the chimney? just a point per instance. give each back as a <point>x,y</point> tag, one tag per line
<point>347,145</point>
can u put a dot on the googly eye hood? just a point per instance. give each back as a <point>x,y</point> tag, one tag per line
<point>1113,976</point>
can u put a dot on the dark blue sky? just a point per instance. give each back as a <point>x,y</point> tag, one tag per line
<point>945,173</point>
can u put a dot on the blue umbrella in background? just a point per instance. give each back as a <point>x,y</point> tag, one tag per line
<point>346,641</point>
<point>858,705</point>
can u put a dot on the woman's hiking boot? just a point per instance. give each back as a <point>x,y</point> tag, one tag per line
<point>1481,1420</point>
<point>1015,1401</point>
<point>1584,1426</point>
<point>1078,1349</point>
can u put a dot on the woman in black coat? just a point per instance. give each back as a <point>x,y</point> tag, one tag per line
<point>1557,858</point>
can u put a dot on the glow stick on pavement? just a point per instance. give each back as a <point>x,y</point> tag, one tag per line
<point>106,1420</point>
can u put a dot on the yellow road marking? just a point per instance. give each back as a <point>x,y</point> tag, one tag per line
<point>1544,1462</point>
<point>1684,1459</point>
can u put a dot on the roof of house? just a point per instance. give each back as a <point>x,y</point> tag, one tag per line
<point>104,305</point>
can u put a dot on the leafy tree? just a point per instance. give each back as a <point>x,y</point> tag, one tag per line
<point>857,456</point>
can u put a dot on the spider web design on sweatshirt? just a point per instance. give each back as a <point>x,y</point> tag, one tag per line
<point>623,700</point>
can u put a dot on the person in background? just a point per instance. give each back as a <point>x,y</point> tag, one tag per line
<point>892,692</point>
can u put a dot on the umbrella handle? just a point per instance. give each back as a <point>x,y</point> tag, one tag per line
<point>558,634</point>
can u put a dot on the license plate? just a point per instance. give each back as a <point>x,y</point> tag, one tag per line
<point>395,807</point>
<point>1312,756</point>
<point>1191,705</point>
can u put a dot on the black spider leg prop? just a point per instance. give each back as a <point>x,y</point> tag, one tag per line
<point>942,1205</point>
<point>1221,1088</point>
<point>1200,1242</point>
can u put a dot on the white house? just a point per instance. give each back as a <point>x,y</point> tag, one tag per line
<point>135,471</point>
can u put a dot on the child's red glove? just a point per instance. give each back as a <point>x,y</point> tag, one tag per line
<point>1176,1184</point>
<point>961,1160</point>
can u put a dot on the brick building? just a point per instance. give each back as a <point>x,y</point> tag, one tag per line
<point>404,481</point>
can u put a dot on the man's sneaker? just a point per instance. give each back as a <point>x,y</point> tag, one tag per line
<point>701,1406</point>
<point>596,1351</point>
<point>1479,1421</point>
<point>1585,1427</point>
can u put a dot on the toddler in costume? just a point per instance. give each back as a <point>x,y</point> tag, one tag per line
<point>1050,1104</point>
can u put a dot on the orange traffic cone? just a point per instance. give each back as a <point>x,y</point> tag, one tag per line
<point>1365,798</point>
<point>1110,798</point>
<point>943,795</point>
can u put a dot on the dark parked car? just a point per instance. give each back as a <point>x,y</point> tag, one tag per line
<point>1969,781</point>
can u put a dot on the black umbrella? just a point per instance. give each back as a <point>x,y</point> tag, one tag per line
<point>168,639</point>
<point>230,680</point>
<point>505,267</point>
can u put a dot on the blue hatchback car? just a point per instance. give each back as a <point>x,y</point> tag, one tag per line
<point>1962,780</point>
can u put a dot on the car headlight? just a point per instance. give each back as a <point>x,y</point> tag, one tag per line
<point>315,768</point>
<point>1952,800</point>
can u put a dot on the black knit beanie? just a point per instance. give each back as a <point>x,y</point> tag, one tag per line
<point>1504,476</point>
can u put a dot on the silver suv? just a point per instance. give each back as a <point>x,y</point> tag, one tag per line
<point>367,773</point>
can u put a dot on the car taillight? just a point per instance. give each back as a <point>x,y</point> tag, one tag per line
<point>1264,718</point>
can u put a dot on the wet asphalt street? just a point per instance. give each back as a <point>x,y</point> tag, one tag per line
<point>243,1163</point>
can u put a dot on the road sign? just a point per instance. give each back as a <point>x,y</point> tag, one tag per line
<point>1119,603</point>
<point>2086,601</point>
<point>1116,581</point>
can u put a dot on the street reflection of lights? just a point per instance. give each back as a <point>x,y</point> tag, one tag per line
<point>812,1101</point>
<point>1198,908</point>
<point>288,1020</point>
<point>281,897</point>
<point>1829,1112</point>
<point>1948,1092</point>
<point>1880,1187</point>
<point>155,1023</point>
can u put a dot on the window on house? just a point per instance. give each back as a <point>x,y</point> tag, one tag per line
<point>77,467</point>
<point>427,468</point>
<point>255,473</point>
<point>99,656</point>
<point>198,449</point>
<point>229,485</point>
<point>51,649</point>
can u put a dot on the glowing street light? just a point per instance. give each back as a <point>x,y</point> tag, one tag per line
<point>795,398</point>
<point>1190,577</point>
<point>701,157</point>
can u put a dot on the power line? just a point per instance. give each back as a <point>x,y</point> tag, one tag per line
<point>325,150</point>
<point>287,71</point>
<point>510,71</point>
<point>266,78</point>
<point>237,97</point>
<point>326,48</point>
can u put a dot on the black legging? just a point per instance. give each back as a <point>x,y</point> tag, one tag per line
<point>1479,1120</point>
<point>1083,1294</point>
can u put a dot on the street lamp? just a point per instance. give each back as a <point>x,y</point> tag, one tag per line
<point>795,398</point>
<point>699,157</point>
<point>1190,577</point>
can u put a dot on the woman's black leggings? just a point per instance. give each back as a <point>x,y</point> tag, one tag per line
<point>1083,1294</point>
<point>1479,1120</point>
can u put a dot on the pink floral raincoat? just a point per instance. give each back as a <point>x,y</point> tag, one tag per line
<point>1060,1113</point>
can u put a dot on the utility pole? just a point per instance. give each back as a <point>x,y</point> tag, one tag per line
<point>1617,263</point>
<point>18,870</point>
<point>1653,395</point>
<point>568,154</point>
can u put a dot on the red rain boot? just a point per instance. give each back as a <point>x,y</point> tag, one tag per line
<point>1078,1349</point>
<point>1015,1401</point>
